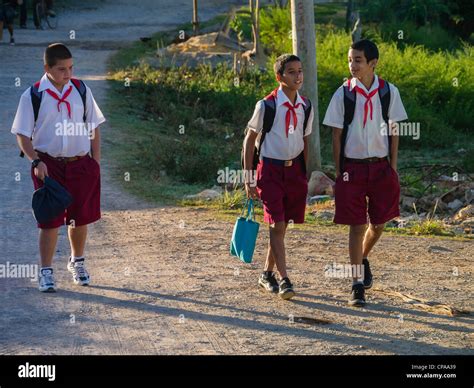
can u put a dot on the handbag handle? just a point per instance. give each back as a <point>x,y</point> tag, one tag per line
<point>249,204</point>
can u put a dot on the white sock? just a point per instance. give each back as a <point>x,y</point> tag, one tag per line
<point>75,258</point>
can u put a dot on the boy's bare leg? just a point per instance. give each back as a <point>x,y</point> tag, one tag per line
<point>371,237</point>
<point>77,240</point>
<point>1,31</point>
<point>48,239</point>
<point>356,239</point>
<point>277,246</point>
<point>270,261</point>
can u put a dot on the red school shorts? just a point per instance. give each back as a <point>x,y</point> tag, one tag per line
<point>367,193</point>
<point>82,179</point>
<point>283,191</point>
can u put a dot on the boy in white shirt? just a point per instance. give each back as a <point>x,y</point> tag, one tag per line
<point>367,186</point>
<point>280,127</point>
<point>57,128</point>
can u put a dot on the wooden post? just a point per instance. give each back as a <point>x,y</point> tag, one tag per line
<point>195,17</point>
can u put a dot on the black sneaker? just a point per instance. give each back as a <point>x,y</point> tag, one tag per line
<point>367,274</point>
<point>357,296</point>
<point>268,282</point>
<point>286,289</point>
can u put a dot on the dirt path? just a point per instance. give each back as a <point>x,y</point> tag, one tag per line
<point>163,281</point>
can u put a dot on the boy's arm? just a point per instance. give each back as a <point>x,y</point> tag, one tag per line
<point>95,145</point>
<point>249,149</point>
<point>336,148</point>
<point>394,150</point>
<point>25,144</point>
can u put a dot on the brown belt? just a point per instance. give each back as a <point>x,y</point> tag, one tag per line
<point>365,161</point>
<point>61,159</point>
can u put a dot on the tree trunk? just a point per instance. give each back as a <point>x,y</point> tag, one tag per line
<point>304,46</point>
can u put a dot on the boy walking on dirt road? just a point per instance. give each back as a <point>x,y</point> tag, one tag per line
<point>276,145</point>
<point>57,128</point>
<point>361,113</point>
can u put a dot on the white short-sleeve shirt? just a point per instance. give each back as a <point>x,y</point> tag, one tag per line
<point>369,141</point>
<point>276,145</point>
<point>55,132</point>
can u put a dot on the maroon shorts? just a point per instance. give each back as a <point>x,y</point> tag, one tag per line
<point>363,190</point>
<point>283,191</point>
<point>82,179</point>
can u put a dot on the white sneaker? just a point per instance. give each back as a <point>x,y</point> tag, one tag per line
<point>46,280</point>
<point>79,272</point>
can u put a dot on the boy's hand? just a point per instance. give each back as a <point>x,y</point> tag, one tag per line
<point>251,191</point>
<point>41,171</point>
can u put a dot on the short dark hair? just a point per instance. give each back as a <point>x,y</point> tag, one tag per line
<point>56,52</point>
<point>368,47</point>
<point>282,60</point>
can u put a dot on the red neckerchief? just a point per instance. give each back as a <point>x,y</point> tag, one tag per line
<point>291,111</point>
<point>368,101</point>
<point>63,99</point>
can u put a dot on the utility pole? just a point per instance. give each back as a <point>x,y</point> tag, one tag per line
<point>304,46</point>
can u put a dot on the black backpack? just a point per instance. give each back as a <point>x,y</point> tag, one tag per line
<point>349,108</point>
<point>36,97</point>
<point>268,119</point>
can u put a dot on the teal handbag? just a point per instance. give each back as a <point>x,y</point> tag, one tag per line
<point>245,234</point>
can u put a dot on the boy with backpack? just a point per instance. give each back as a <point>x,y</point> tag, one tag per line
<point>57,128</point>
<point>362,113</point>
<point>276,146</point>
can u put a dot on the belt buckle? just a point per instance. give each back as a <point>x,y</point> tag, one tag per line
<point>288,163</point>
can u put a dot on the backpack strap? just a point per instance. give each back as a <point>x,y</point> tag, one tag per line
<point>384,95</point>
<point>350,97</point>
<point>268,119</point>
<point>36,97</point>
<point>307,112</point>
<point>81,88</point>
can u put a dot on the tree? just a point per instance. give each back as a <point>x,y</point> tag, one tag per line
<point>304,46</point>
<point>254,6</point>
